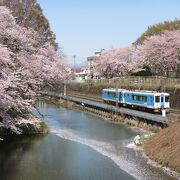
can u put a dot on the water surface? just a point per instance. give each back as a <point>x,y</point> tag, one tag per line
<point>80,146</point>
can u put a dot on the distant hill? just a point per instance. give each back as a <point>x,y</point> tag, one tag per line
<point>81,65</point>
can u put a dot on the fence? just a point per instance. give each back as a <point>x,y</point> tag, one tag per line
<point>152,80</point>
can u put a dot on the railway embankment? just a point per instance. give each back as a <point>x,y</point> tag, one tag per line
<point>94,90</point>
<point>112,117</point>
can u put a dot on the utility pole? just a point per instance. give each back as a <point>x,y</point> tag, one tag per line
<point>65,88</point>
<point>74,57</point>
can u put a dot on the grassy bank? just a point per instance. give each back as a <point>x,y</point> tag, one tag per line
<point>164,147</point>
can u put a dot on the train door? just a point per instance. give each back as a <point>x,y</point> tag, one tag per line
<point>157,102</point>
<point>162,101</point>
<point>166,101</point>
<point>122,97</point>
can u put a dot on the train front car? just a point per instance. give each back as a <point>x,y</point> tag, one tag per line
<point>142,100</point>
<point>147,100</point>
<point>161,101</point>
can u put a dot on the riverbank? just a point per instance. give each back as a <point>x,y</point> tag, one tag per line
<point>28,125</point>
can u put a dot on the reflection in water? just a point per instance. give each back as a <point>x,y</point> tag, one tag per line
<point>54,158</point>
<point>14,151</point>
<point>80,146</point>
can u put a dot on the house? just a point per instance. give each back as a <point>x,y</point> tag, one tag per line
<point>79,74</point>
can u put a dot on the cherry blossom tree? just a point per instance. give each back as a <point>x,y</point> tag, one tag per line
<point>103,63</point>
<point>24,66</point>
<point>161,52</point>
<point>115,62</point>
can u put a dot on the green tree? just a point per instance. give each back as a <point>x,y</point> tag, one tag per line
<point>158,29</point>
<point>29,14</point>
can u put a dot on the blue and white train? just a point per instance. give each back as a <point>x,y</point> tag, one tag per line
<point>153,100</point>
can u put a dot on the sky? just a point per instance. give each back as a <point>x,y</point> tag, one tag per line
<point>83,27</point>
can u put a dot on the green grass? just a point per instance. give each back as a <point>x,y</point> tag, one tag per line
<point>85,95</point>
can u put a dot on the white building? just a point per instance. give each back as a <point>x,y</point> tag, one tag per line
<point>79,74</point>
<point>91,72</point>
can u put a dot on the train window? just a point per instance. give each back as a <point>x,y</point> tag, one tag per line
<point>134,97</point>
<point>112,94</point>
<point>157,99</point>
<point>166,98</point>
<point>139,98</point>
<point>144,98</point>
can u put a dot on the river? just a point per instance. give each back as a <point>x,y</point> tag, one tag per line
<point>80,146</point>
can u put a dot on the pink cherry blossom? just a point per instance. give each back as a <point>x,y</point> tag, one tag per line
<point>115,62</point>
<point>161,52</point>
<point>24,67</point>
